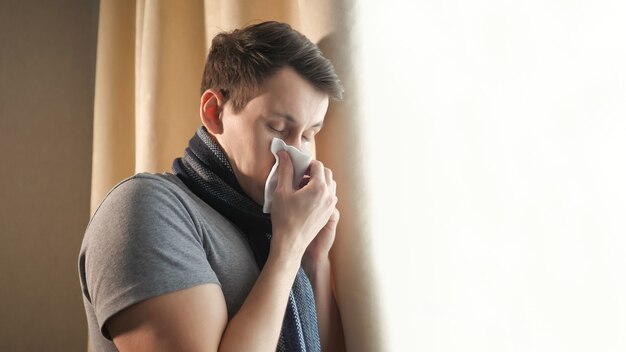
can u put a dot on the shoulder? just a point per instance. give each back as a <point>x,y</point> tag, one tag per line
<point>145,185</point>
<point>143,210</point>
<point>144,196</point>
<point>142,242</point>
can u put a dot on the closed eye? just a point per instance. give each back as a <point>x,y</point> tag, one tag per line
<point>276,129</point>
<point>309,135</point>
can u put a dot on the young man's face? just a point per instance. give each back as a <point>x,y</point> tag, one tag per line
<point>287,107</point>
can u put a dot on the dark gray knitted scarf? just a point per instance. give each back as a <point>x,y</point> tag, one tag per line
<point>206,171</point>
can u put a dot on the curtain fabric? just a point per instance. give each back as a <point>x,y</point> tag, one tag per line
<point>149,64</point>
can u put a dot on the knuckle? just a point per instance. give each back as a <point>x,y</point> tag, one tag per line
<point>317,190</point>
<point>281,191</point>
<point>330,201</point>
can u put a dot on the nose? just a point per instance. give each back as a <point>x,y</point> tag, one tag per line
<point>295,141</point>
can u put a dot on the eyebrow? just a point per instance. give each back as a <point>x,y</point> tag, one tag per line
<point>292,120</point>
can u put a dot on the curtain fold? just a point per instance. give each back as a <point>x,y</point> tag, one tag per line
<point>170,54</point>
<point>340,146</point>
<point>114,101</point>
<point>149,65</point>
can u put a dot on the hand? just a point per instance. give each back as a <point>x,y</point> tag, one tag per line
<point>299,215</point>
<point>321,245</point>
<point>319,248</point>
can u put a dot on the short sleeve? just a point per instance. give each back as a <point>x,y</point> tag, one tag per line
<point>141,243</point>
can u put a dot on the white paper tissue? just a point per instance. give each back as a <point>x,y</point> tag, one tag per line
<point>301,161</point>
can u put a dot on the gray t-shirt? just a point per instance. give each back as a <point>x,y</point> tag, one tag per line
<point>151,236</point>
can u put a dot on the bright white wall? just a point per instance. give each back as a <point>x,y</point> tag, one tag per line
<point>497,141</point>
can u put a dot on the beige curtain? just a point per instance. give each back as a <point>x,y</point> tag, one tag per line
<point>149,63</point>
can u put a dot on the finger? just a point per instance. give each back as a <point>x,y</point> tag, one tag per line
<point>305,180</point>
<point>333,208</point>
<point>317,171</point>
<point>285,171</point>
<point>328,174</point>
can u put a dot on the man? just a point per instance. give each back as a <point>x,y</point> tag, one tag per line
<point>188,261</point>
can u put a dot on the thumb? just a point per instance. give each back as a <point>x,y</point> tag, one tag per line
<point>285,171</point>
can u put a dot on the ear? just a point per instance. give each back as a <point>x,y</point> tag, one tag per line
<point>211,107</point>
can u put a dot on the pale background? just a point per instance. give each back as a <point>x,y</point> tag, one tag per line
<point>492,136</point>
<point>501,189</point>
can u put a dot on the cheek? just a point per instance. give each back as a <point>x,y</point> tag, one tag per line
<point>266,161</point>
<point>263,160</point>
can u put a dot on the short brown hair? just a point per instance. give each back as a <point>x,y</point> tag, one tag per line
<point>239,61</point>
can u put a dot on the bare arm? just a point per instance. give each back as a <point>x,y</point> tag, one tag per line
<point>190,320</point>
<point>330,326</point>
<point>195,319</point>
<point>318,267</point>
<point>257,324</point>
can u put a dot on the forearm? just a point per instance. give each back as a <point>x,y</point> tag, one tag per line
<point>257,324</point>
<point>329,319</point>
<point>298,217</point>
